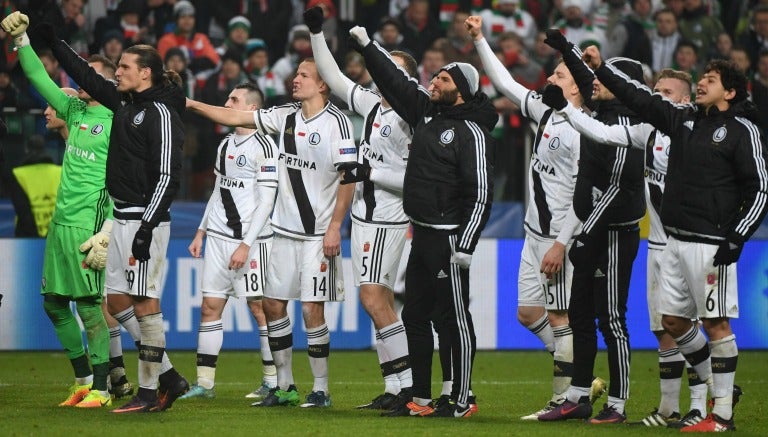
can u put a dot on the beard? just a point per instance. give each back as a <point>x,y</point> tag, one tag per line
<point>447,98</point>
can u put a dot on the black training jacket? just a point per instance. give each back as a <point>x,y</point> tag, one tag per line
<point>449,176</point>
<point>717,179</point>
<point>144,158</point>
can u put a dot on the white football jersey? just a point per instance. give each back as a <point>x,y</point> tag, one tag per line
<point>552,171</point>
<point>309,154</point>
<point>656,157</point>
<point>243,163</point>
<point>386,151</point>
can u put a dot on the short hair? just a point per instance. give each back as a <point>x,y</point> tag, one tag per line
<point>107,65</point>
<point>687,43</point>
<point>512,36</point>
<point>664,11</point>
<point>409,63</point>
<point>253,95</point>
<point>669,73</point>
<point>731,77</point>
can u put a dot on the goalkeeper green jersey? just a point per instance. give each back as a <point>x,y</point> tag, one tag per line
<point>82,200</point>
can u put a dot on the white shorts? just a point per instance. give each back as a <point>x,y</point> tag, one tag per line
<point>298,270</point>
<point>692,287</point>
<point>126,275</point>
<point>376,253</point>
<point>653,292</point>
<point>248,281</point>
<point>533,287</point>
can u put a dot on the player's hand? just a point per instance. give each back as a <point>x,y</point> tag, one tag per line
<point>96,246</point>
<point>461,258</point>
<point>728,252</point>
<point>358,173</point>
<point>313,18</point>
<point>553,97</point>
<point>239,256</point>
<point>557,41</point>
<point>474,25</point>
<point>15,24</point>
<point>332,242</point>
<point>591,57</point>
<point>141,243</point>
<point>360,36</point>
<point>196,246</point>
<point>553,260</point>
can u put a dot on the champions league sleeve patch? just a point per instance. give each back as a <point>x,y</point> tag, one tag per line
<point>347,151</point>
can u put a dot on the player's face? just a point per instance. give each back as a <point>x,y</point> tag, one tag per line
<point>52,122</point>
<point>307,83</point>
<point>443,90</point>
<point>675,90</point>
<point>129,75</point>
<point>710,91</point>
<point>562,77</point>
<point>600,92</point>
<point>236,100</point>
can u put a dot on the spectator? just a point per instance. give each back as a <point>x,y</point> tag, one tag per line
<point>258,71</point>
<point>544,55</point>
<point>68,20</point>
<point>515,58</point>
<point>354,69</point>
<point>203,59</point>
<point>723,46</point>
<point>127,20</point>
<point>760,89</point>
<point>299,49</point>
<point>9,93</point>
<point>629,38</point>
<point>176,60</point>
<point>457,46</point>
<point>269,19</point>
<point>740,57</point>
<point>575,24</point>
<point>508,16</point>
<point>756,38</point>
<point>238,29</point>
<point>687,59</point>
<point>430,65</point>
<point>697,25</point>
<point>389,35</point>
<point>419,29</point>
<point>664,40</point>
<point>112,46</point>
<point>34,186</point>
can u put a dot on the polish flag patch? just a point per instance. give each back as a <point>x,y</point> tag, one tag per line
<point>302,134</point>
<point>83,126</point>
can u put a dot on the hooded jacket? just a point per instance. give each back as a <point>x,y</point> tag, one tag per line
<point>449,176</point>
<point>717,178</point>
<point>144,158</point>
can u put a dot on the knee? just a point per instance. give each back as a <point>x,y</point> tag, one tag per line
<point>57,308</point>
<point>717,328</point>
<point>675,326</point>
<point>527,315</point>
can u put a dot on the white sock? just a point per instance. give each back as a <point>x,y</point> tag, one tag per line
<point>671,365</point>
<point>319,348</point>
<point>563,361</point>
<point>543,330</point>
<point>447,388</point>
<point>617,403</point>
<point>396,345</point>
<point>115,342</point>
<point>281,343</point>
<point>127,318</point>
<point>151,350</point>
<point>391,382</point>
<point>693,345</point>
<point>698,390</point>
<point>267,363</point>
<point>574,394</point>
<point>725,354</point>
<point>210,337</point>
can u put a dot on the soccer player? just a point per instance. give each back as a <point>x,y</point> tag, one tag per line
<point>315,146</point>
<point>236,222</point>
<point>143,174</point>
<point>448,192</point>
<point>714,199</point>
<point>609,200</point>
<point>379,224</point>
<point>675,86</point>
<point>82,210</point>
<point>544,279</point>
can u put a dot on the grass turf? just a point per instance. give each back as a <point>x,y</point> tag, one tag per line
<point>507,384</point>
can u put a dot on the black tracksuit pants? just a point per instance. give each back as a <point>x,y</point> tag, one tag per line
<point>437,291</point>
<point>600,290</point>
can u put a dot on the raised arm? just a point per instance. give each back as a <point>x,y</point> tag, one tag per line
<point>221,115</point>
<point>635,135</point>
<point>38,77</point>
<point>582,74</point>
<point>409,99</point>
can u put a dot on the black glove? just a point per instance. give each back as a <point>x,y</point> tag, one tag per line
<point>358,173</point>
<point>141,242</point>
<point>557,41</point>
<point>46,32</point>
<point>728,252</point>
<point>553,97</point>
<point>313,18</point>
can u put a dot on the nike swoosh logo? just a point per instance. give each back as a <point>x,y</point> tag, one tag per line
<point>565,411</point>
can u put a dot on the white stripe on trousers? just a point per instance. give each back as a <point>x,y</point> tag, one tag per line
<point>465,340</point>
<point>622,342</point>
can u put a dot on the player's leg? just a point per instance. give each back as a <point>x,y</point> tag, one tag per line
<point>97,334</point>
<point>269,377</point>
<point>210,338</point>
<point>119,384</point>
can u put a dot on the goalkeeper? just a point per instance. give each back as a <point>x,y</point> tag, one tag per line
<point>76,247</point>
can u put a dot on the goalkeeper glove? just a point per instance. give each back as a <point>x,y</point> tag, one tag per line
<point>96,246</point>
<point>16,25</point>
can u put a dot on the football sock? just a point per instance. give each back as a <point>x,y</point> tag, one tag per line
<point>151,350</point>
<point>396,345</point>
<point>725,356</point>
<point>97,333</point>
<point>267,363</point>
<point>671,365</point>
<point>209,341</point>
<point>563,361</point>
<point>693,345</point>
<point>698,390</point>
<point>281,345</point>
<point>319,348</point>
<point>543,331</point>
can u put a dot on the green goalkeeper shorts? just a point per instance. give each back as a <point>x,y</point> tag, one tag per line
<point>64,269</point>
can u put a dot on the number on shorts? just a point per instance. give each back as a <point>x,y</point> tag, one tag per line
<point>321,286</point>
<point>710,301</point>
<point>251,283</point>
<point>130,275</point>
<point>365,267</point>
<point>550,295</point>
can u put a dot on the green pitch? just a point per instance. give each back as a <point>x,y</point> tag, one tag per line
<point>507,384</point>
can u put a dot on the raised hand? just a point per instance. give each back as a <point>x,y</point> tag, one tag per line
<point>360,36</point>
<point>474,25</point>
<point>557,41</point>
<point>313,18</point>
<point>591,57</point>
<point>15,24</point>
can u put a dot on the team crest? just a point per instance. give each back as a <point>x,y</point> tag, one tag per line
<point>254,264</point>
<point>554,143</point>
<point>323,267</point>
<point>385,131</point>
<point>99,128</point>
<point>131,261</point>
<point>719,134</point>
<point>314,138</point>
<point>711,279</point>
<point>241,160</point>
<point>366,246</point>
<point>447,136</point>
<point>139,117</point>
